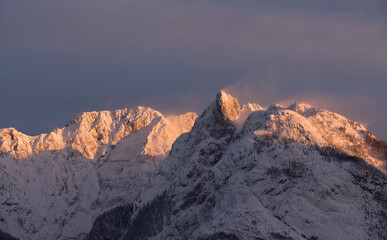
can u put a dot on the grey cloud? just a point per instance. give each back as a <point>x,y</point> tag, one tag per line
<point>65,57</point>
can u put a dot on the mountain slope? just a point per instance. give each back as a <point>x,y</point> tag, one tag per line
<point>288,173</point>
<point>54,185</point>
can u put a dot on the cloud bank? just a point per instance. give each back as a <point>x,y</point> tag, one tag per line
<point>58,58</point>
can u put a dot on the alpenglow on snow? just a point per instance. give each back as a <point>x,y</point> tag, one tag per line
<point>277,173</point>
<point>53,186</point>
<point>234,172</point>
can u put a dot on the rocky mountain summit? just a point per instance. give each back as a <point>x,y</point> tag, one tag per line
<point>234,172</point>
<point>53,186</point>
<point>294,172</point>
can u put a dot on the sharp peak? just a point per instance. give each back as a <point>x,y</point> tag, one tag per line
<point>11,131</point>
<point>230,109</point>
<point>225,96</point>
<point>227,105</point>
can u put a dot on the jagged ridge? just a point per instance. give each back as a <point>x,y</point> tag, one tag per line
<point>54,185</point>
<point>289,173</point>
<point>91,133</point>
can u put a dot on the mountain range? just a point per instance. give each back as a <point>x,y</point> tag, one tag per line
<point>54,185</point>
<point>234,172</point>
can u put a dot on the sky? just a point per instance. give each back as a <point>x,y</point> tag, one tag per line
<point>61,58</point>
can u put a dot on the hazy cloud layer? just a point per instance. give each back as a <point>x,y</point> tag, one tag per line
<point>58,58</point>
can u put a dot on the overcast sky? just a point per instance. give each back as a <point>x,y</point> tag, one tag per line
<point>60,58</point>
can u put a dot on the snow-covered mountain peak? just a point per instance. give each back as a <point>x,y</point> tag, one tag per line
<point>88,118</point>
<point>15,142</point>
<point>91,133</point>
<point>303,109</point>
<point>299,122</point>
<point>294,172</point>
<point>309,125</point>
<point>228,106</point>
<point>252,107</point>
<point>9,134</point>
<point>245,112</point>
<point>54,185</point>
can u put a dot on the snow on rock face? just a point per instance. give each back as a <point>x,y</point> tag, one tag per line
<point>245,112</point>
<point>312,126</point>
<point>228,106</point>
<point>289,173</point>
<point>87,134</point>
<point>54,185</point>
